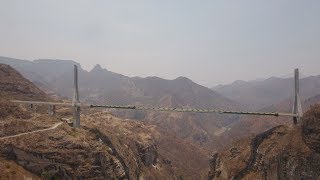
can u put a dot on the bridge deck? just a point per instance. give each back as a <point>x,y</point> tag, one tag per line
<point>170,109</point>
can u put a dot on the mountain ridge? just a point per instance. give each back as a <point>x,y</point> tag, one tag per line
<point>101,86</point>
<point>271,91</point>
<point>105,147</point>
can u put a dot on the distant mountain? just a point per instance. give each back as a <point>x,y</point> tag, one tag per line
<point>259,94</point>
<point>102,86</point>
<point>46,70</point>
<point>311,101</point>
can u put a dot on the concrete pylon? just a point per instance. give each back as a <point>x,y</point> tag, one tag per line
<point>76,101</point>
<point>297,107</point>
<point>51,110</point>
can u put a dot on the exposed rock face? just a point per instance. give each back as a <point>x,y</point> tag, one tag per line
<point>60,155</point>
<point>282,152</point>
<point>214,166</point>
<point>146,151</point>
<point>311,128</point>
<point>10,170</point>
<point>148,154</point>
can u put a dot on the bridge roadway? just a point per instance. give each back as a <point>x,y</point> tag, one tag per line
<point>194,110</point>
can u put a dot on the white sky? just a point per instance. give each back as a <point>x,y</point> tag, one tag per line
<point>210,42</point>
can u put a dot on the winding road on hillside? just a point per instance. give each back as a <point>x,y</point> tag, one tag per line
<point>31,132</point>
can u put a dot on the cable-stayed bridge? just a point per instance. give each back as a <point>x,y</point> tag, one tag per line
<point>295,114</point>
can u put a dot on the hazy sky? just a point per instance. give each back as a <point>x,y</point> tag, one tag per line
<point>210,41</point>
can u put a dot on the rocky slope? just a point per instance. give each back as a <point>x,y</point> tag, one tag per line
<point>13,84</point>
<point>105,147</point>
<point>283,152</point>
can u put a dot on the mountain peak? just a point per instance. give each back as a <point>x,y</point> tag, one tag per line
<point>97,67</point>
<point>239,82</point>
<point>181,78</point>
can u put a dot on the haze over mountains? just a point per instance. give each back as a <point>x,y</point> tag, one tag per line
<point>116,88</point>
<point>104,87</point>
<point>263,93</point>
<point>162,139</point>
<point>105,147</point>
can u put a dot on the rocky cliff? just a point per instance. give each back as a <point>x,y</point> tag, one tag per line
<point>283,152</point>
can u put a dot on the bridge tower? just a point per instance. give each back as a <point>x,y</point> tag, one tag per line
<point>297,108</point>
<point>76,101</point>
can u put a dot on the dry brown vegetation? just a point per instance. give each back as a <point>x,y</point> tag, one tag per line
<point>7,108</point>
<point>11,171</point>
<point>15,86</point>
<point>105,147</point>
<point>311,127</point>
<point>282,152</point>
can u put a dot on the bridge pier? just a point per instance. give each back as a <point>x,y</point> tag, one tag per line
<point>31,107</point>
<point>51,110</point>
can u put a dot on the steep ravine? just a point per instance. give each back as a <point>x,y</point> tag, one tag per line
<point>65,158</point>
<point>254,155</point>
<point>108,143</point>
<point>283,152</point>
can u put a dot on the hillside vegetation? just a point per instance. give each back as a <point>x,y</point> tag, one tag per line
<point>282,152</point>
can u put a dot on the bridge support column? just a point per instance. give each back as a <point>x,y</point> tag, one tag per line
<point>31,107</point>
<point>51,110</point>
<point>297,107</point>
<point>76,101</point>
